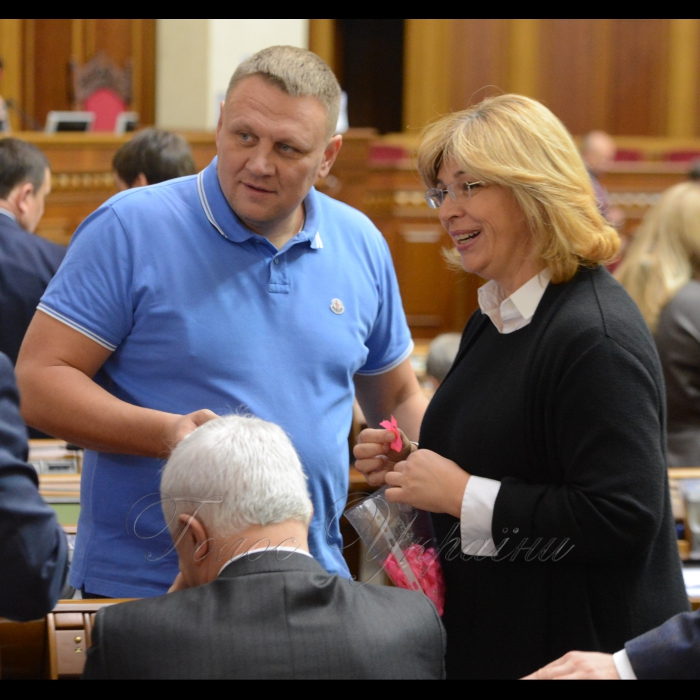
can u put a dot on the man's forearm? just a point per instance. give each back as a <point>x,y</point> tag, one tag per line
<point>409,414</point>
<point>396,393</point>
<point>64,402</point>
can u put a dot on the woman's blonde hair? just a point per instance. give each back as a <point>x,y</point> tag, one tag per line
<point>516,142</point>
<point>665,253</point>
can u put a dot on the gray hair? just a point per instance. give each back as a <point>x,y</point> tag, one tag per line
<point>298,72</point>
<point>441,355</point>
<point>235,472</point>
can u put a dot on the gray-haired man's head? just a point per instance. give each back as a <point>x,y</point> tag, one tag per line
<point>233,473</point>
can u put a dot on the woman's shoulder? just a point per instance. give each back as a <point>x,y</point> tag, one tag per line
<point>594,307</point>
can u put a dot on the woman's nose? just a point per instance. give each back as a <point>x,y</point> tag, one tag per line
<point>449,209</point>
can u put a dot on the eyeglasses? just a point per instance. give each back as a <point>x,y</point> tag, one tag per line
<point>435,196</point>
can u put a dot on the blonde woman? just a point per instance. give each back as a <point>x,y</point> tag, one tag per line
<point>542,453</point>
<point>661,272</point>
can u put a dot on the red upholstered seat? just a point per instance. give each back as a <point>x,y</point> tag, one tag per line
<point>629,154</point>
<point>107,105</point>
<point>685,156</point>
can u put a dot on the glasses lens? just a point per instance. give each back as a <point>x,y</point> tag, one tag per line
<point>434,197</point>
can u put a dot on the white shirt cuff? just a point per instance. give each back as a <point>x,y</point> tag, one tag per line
<point>623,666</point>
<point>477,514</point>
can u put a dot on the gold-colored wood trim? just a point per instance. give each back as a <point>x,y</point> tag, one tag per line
<point>322,40</point>
<point>90,39</point>
<point>684,35</point>
<point>11,52</point>
<point>524,56</point>
<point>602,62</point>
<point>426,71</point>
<point>136,64</point>
<point>77,40</point>
<point>29,64</point>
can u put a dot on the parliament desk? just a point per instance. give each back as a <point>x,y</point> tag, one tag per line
<point>82,177</point>
<point>375,174</point>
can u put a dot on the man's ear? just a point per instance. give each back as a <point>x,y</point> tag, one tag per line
<point>20,195</point>
<point>194,538</point>
<point>330,154</point>
<point>140,181</point>
<point>220,122</point>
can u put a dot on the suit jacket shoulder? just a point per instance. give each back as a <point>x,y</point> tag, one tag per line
<point>271,617</point>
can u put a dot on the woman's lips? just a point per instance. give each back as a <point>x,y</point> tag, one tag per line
<point>462,238</point>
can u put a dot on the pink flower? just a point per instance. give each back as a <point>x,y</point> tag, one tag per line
<point>397,443</point>
<point>427,570</point>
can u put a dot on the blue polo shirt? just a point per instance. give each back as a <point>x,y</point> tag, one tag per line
<point>200,312</point>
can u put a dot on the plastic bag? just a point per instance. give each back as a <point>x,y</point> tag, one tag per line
<point>403,540</point>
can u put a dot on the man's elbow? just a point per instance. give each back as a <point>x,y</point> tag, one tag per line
<point>30,382</point>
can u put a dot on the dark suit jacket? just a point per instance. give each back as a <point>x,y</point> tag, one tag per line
<point>274,615</point>
<point>671,651</point>
<point>27,264</point>
<point>33,548</point>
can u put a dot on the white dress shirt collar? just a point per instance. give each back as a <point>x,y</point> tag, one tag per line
<point>512,313</point>
<point>7,212</point>
<point>291,550</point>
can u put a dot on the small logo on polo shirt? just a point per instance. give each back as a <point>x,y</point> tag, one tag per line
<point>337,306</point>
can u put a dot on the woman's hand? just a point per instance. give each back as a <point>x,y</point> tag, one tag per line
<point>374,458</point>
<point>429,482</point>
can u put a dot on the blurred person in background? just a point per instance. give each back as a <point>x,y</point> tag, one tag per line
<point>152,156</point>
<point>441,354</point>
<point>661,272</point>
<point>27,262</point>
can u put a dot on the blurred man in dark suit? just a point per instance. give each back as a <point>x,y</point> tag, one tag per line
<point>33,548</point>
<point>250,601</point>
<point>152,156</point>
<point>27,262</point>
<point>669,652</point>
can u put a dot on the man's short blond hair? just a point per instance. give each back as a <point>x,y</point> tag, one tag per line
<point>298,72</point>
<point>516,142</point>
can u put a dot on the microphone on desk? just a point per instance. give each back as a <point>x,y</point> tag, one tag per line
<point>26,118</point>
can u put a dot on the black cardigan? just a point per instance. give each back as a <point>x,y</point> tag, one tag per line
<point>569,414</point>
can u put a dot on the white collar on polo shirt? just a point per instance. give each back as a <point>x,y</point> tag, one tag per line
<point>291,550</point>
<point>512,313</point>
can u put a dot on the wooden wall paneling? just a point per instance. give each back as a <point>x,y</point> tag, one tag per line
<point>28,60</point>
<point>144,66</point>
<point>114,37</point>
<point>426,71</point>
<point>478,64</point>
<point>684,35</point>
<point>11,52</point>
<point>640,77</point>
<point>322,40</point>
<point>78,49</point>
<point>524,64</point>
<point>574,71</point>
<point>47,57</point>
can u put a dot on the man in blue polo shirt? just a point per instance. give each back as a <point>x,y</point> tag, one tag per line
<point>241,289</point>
